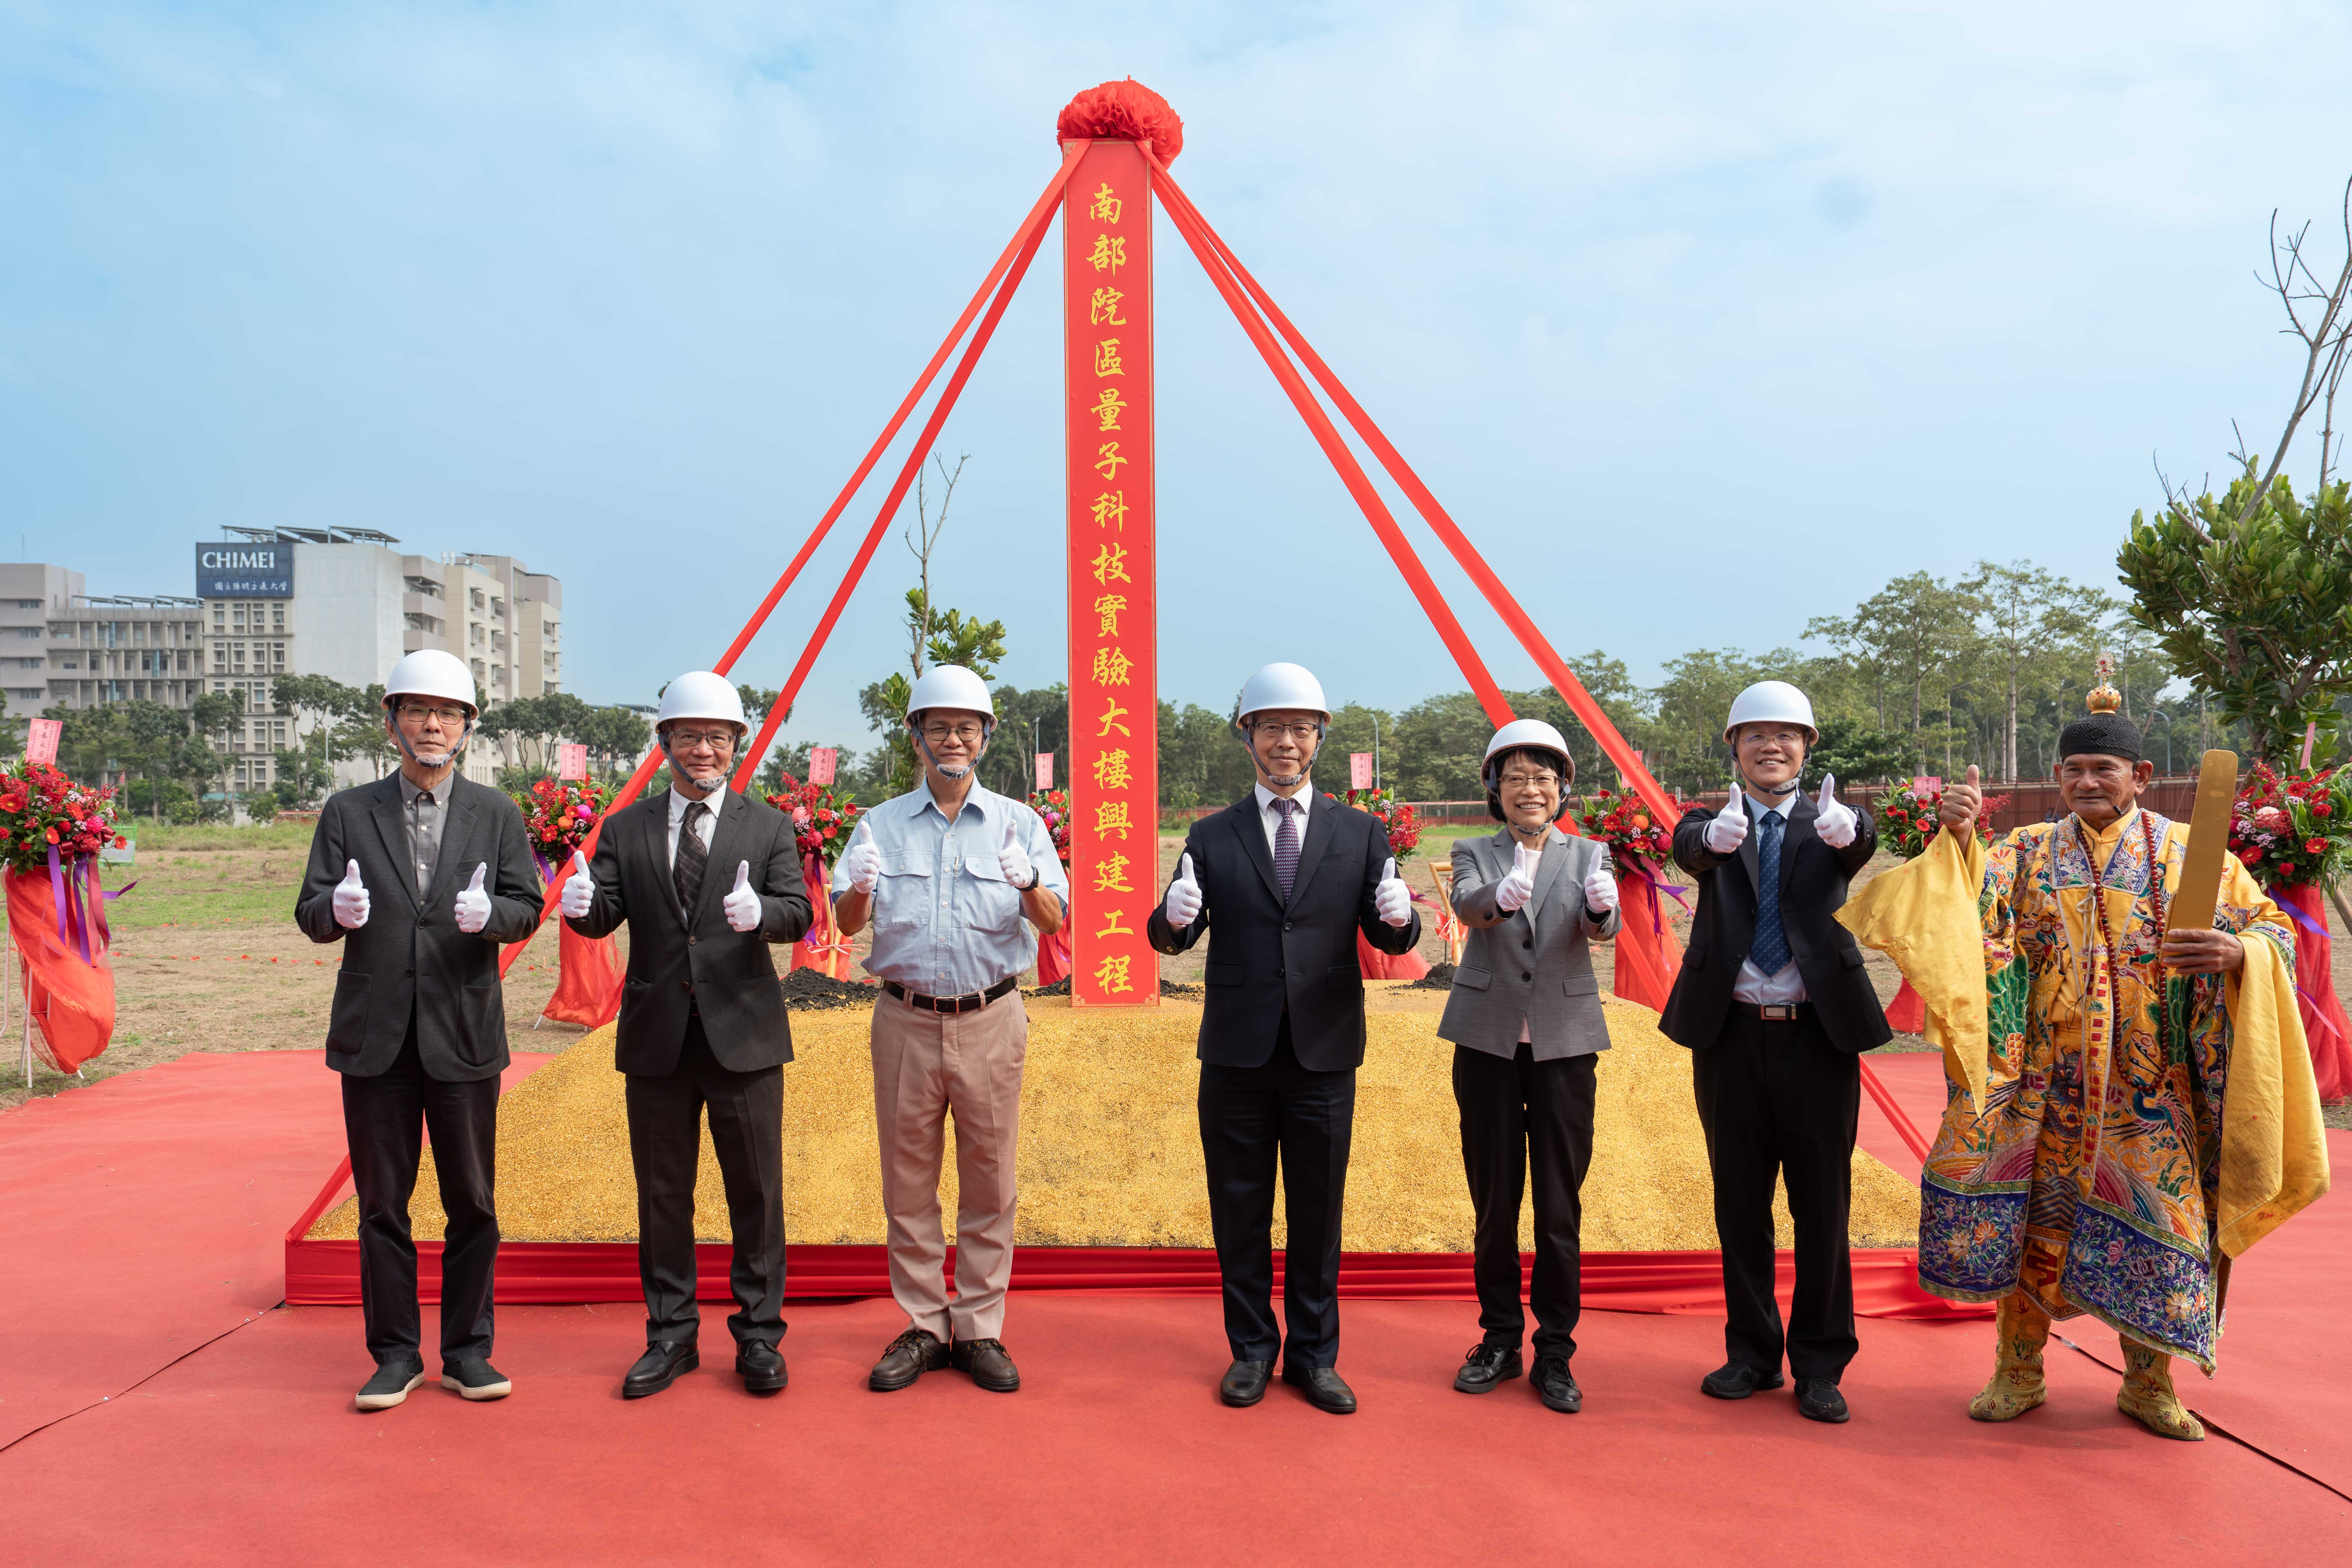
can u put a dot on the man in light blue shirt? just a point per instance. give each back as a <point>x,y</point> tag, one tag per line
<point>951,877</point>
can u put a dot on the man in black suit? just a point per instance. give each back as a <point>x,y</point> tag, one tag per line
<point>707,879</point>
<point>1289,877</point>
<point>418,1028</point>
<point>1776,1006</point>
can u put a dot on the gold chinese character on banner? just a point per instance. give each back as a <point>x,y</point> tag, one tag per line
<point>1110,509</point>
<point>1111,667</point>
<point>1110,770</point>
<point>1109,407</point>
<point>1111,715</point>
<point>1111,973</point>
<point>1110,874</point>
<point>1110,565</point>
<point>1108,606</point>
<point>1102,311</point>
<point>1107,358</point>
<point>1108,253</point>
<point>1107,205</point>
<point>1107,460</point>
<point>1115,924</point>
<point>1110,816</point>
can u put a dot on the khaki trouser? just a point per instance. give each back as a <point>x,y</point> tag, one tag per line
<point>925,1065</point>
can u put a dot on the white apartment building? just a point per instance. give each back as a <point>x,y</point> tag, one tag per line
<point>62,647</point>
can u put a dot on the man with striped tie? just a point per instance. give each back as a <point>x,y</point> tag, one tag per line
<point>1282,881</point>
<point>707,879</point>
<point>1776,1006</point>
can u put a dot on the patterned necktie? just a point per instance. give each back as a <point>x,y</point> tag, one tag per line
<point>1286,846</point>
<point>692,859</point>
<point>1770,954</point>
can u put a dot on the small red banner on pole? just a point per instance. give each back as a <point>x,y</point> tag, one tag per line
<point>571,762</point>
<point>1359,770</point>
<point>41,740</point>
<point>821,761</point>
<point>1045,769</point>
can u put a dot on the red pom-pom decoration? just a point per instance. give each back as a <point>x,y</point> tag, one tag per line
<point>1125,111</point>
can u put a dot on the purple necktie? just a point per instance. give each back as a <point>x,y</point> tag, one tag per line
<point>1285,845</point>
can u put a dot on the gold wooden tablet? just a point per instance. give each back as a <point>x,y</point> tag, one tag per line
<point>2209,841</point>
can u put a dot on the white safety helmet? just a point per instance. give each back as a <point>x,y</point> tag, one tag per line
<point>702,694</point>
<point>1282,686</point>
<point>951,685</point>
<point>429,672</point>
<point>1768,702</point>
<point>1527,734</point>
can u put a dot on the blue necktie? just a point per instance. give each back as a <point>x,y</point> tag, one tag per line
<point>1770,953</point>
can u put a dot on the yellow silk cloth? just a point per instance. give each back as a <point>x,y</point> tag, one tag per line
<point>1925,916</point>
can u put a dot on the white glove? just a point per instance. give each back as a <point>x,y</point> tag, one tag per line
<point>1837,823</point>
<point>862,861</point>
<point>351,899</point>
<point>1014,861</point>
<point>1183,905</point>
<point>743,905</point>
<point>473,904</point>
<point>1518,884</point>
<point>1728,831</point>
<point>1599,890</point>
<point>579,889</point>
<point>1392,898</point>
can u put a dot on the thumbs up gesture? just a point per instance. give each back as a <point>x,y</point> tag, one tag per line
<point>1392,898</point>
<point>742,903</point>
<point>579,889</point>
<point>1600,889</point>
<point>1728,831</point>
<point>473,904</point>
<point>1014,863</point>
<point>862,861</point>
<point>1183,905</point>
<point>1518,884</point>
<point>1961,803</point>
<point>351,899</point>
<point>1836,822</point>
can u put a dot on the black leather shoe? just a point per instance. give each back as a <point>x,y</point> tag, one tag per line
<point>763,1367</point>
<point>1818,1399</point>
<point>662,1365</point>
<point>1737,1380</point>
<point>1556,1386</point>
<point>475,1379</point>
<point>1486,1367</point>
<point>1323,1386</point>
<point>985,1360</point>
<point>1245,1383</point>
<point>911,1354</point>
<point>391,1383</point>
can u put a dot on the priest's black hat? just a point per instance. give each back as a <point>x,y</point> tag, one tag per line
<point>2103,732</point>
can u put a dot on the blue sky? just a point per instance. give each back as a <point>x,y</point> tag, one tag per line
<point>1702,319</point>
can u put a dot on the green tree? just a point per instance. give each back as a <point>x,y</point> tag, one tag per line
<point>1918,630</point>
<point>2034,627</point>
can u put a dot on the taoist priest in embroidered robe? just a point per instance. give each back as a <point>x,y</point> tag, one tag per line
<point>2090,1158</point>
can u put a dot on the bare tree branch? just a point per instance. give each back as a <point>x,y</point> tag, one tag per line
<point>2324,340</point>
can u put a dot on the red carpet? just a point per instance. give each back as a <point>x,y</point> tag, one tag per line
<point>1116,1451</point>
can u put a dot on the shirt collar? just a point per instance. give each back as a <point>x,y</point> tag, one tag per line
<point>678,802</point>
<point>977,798</point>
<point>409,789</point>
<point>1267,797</point>
<point>1786,804</point>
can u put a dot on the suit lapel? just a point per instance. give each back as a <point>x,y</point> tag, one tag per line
<point>456,827</point>
<point>1252,833</point>
<point>1321,825</point>
<point>653,836</point>
<point>394,832</point>
<point>1801,812</point>
<point>1748,856</point>
<point>1549,870</point>
<point>724,836</point>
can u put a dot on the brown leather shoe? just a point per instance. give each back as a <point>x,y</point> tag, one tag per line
<point>911,1354</point>
<point>988,1365</point>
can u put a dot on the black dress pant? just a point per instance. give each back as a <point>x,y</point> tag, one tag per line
<point>1518,1112</point>
<point>1776,1097</point>
<point>747,1133</point>
<point>1250,1118</point>
<point>384,1118</point>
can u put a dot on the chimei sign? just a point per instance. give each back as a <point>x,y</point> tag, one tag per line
<point>244,571</point>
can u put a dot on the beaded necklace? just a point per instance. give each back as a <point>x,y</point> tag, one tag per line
<point>2099,898</point>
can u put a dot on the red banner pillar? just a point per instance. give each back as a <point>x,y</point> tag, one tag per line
<point>1114,781</point>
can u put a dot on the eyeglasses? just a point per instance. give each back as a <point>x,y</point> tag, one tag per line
<point>695,739</point>
<point>941,734</point>
<point>1522,781</point>
<point>1775,737</point>
<point>418,713</point>
<point>1270,731</point>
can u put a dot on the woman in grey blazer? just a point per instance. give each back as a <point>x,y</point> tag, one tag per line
<point>1525,1022</point>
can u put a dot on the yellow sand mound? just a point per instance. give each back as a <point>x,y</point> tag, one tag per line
<point>1110,1148</point>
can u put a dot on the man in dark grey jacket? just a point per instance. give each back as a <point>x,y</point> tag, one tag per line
<point>418,1028</point>
<point>1526,1020</point>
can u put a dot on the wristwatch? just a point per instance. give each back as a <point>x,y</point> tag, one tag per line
<point>1036,875</point>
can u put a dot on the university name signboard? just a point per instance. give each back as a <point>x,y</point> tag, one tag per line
<point>244,571</point>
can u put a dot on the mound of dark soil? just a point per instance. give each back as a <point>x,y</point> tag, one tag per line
<point>1439,978</point>
<point>807,990</point>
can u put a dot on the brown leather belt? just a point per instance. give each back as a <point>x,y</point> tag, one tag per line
<point>971,1002</point>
